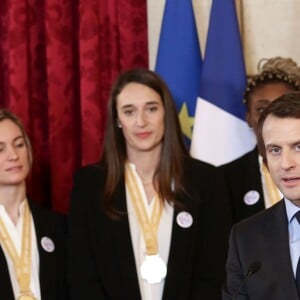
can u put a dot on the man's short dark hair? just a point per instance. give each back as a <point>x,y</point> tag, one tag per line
<point>285,106</point>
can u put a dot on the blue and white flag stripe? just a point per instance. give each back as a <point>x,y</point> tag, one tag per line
<point>220,132</point>
<point>219,137</point>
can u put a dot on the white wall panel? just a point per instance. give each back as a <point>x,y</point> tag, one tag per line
<point>268,28</point>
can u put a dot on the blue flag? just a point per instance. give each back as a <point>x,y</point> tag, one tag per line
<point>179,59</point>
<point>221,133</point>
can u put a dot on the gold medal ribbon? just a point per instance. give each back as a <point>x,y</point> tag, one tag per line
<point>149,226</point>
<point>272,189</point>
<point>22,263</point>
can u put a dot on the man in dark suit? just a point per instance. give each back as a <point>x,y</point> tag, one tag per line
<point>245,176</point>
<point>264,250</point>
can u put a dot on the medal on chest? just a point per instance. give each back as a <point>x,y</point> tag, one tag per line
<point>153,269</point>
<point>22,262</point>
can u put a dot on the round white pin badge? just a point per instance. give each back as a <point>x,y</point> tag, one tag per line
<point>251,197</point>
<point>184,219</point>
<point>47,244</point>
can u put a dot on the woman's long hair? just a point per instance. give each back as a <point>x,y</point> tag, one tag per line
<point>169,172</point>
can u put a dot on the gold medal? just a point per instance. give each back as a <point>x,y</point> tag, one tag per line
<point>22,263</point>
<point>153,269</point>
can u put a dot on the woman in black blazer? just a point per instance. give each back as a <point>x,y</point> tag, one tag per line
<point>148,222</point>
<point>32,239</point>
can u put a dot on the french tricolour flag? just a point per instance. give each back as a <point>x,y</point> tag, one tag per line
<point>220,132</point>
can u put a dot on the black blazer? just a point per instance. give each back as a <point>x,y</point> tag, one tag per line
<point>241,176</point>
<point>263,238</point>
<point>52,265</point>
<point>101,259</point>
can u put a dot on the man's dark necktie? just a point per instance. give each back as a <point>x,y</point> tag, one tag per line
<point>297,215</point>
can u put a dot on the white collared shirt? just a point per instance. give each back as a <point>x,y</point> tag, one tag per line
<point>149,291</point>
<point>15,232</point>
<point>294,233</point>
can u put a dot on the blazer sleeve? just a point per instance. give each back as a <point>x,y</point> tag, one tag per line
<point>217,222</point>
<point>234,281</point>
<point>82,278</point>
<point>208,189</point>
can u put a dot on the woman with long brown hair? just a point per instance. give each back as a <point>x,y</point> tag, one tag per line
<point>148,222</point>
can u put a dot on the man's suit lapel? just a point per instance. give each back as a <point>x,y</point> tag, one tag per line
<point>277,231</point>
